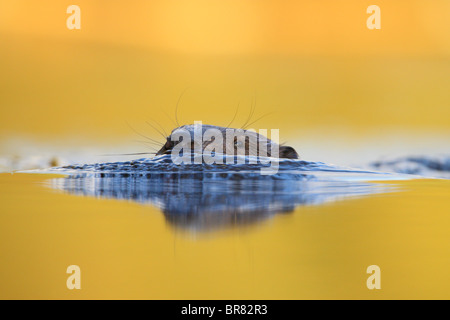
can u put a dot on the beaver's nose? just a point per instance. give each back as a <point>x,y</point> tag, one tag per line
<point>163,150</point>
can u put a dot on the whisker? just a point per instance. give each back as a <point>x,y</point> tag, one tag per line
<point>235,114</point>
<point>127,154</point>
<point>146,145</point>
<point>263,116</point>
<point>148,142</point>
<point>158,142</point>
<point>159,131</point>
<point>161,127</point>
<point>176,107</point>
<point>169,118</point>
<point>252,110</point>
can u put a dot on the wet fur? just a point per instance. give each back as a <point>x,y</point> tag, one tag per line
<point>252,141</point>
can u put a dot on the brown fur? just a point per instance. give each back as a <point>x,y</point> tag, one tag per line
<point>251,140</point>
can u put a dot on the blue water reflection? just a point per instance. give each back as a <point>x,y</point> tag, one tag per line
<point>203,198</point>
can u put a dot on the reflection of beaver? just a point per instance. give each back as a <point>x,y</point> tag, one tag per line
<point>199,201</point>
<point>211,199</point>
<point>247,141</point>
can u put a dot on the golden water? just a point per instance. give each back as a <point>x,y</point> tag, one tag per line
<point>127,250</point>
<point>337,90</point>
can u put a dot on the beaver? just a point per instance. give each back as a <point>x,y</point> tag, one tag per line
<point>232,141</point>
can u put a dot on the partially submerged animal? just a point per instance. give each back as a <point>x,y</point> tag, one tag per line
<point>227,141</point>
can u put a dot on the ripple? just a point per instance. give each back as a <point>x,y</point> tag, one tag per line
<point>201,197</point>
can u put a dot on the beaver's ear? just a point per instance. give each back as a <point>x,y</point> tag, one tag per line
<point>288,152</point>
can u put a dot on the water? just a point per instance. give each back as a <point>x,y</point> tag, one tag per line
<point>148,229</point>
<point>426,166</point>
<point>201,197</point>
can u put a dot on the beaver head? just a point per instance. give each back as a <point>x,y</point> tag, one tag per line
<point>233,141</point>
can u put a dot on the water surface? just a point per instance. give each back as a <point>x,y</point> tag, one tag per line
<point>174,235</point>
<point>204,197</point>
